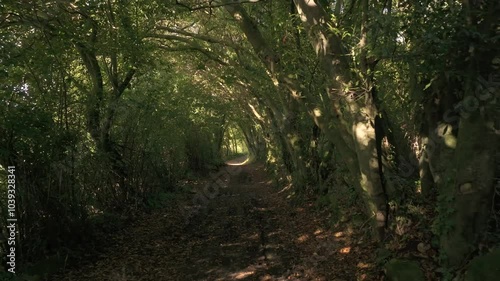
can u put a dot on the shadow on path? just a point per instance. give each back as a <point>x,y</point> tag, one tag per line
<point>247,232</point>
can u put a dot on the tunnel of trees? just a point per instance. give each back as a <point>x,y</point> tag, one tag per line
<point>107,105</point>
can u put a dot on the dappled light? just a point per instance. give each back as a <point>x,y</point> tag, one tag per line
<point>243,160</point>
<point>300,140</point>
<point>345,250</point>
<point>303,238</point>
<point>242,275</point>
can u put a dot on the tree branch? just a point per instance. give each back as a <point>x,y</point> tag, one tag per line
<point>126,81</point>
<point>211,6</point>
<point>205,52</point>
<point>200,37</point>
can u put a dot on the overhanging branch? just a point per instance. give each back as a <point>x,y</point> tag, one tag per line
<point>202,37</point>
<point>211,6</point>
<point>201,50</point>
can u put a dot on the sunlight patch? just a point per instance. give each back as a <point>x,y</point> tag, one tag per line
<point>303,238</point>
<point>243,274</point>
<point>287,187</point>
<point>274,233</point>
<point>238,162</point>
<point>345,250</point>
<point>364,265</point>
<point>318,231</point>
<point>232,244</point>
<point>363,133</point>
<point>254,236</point>
<point>338,234</point>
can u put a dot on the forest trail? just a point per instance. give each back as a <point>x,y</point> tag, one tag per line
<point>249,231</point>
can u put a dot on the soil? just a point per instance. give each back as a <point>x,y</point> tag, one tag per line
<point>245,229</point>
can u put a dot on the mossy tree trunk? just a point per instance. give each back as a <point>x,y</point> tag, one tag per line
<point>462,143</point>
<point>355,109</point>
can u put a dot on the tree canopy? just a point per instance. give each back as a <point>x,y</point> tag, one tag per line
<point>107,104</point>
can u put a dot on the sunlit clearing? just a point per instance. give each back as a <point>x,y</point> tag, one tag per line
<point>239,161</point>
<point>345,250</point>
<point>233,143</point>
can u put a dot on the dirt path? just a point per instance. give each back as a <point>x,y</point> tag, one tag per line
<point>248,231</point>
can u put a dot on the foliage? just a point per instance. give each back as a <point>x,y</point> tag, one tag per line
<point>107,105</point>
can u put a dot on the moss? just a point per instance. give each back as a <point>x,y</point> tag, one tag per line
<point>484,268</point>
<point>401,270</point>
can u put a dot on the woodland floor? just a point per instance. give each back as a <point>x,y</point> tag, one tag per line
<point>249,231</point>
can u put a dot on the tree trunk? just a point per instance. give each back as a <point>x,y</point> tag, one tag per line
<point>467,183</point>
<point>355,110</point>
